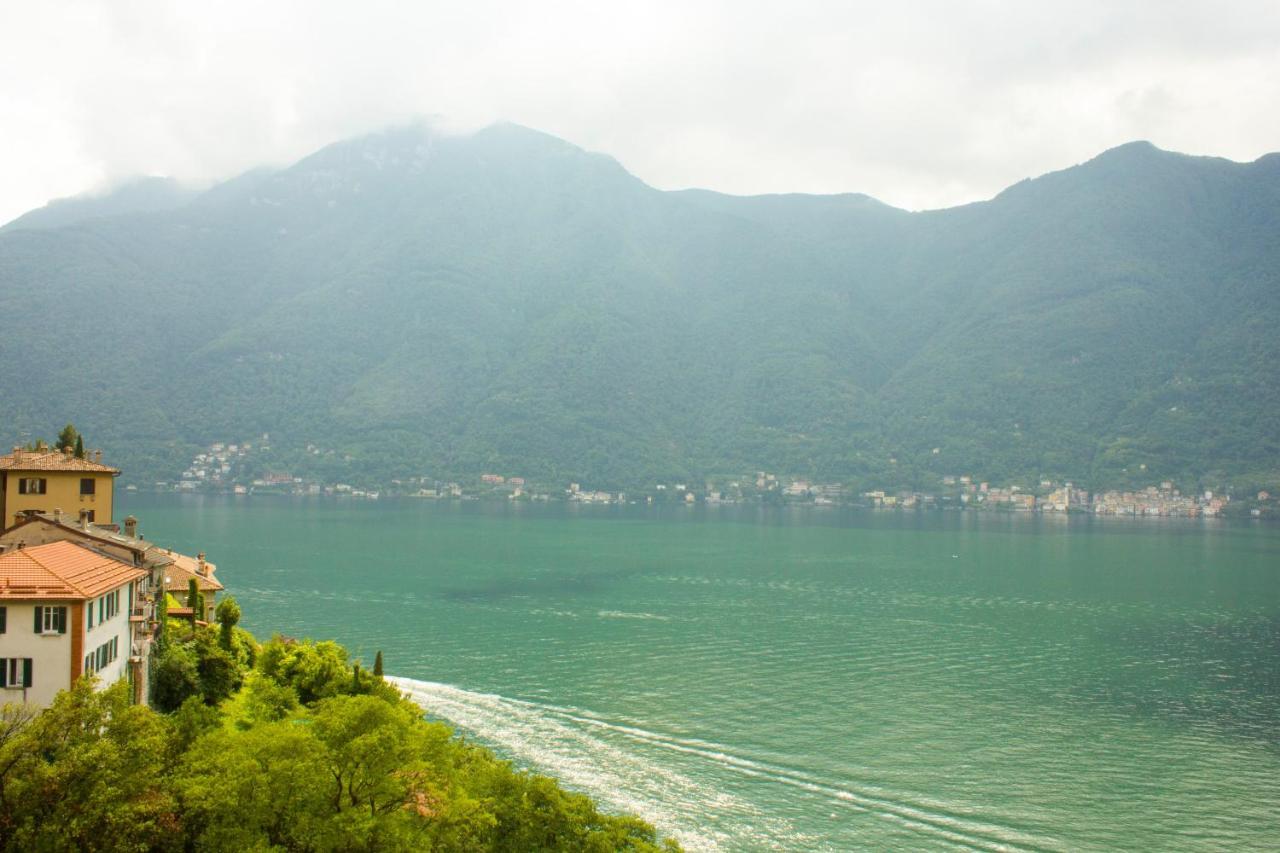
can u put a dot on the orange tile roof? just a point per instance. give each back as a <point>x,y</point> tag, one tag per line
<point>185,568</point>
<point>50,460</point>
<point>61,570</point>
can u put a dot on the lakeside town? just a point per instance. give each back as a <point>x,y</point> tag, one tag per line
<point>225,467</point>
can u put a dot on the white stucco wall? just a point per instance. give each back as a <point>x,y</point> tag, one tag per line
<point>117,626</point>
<point>50,653</point>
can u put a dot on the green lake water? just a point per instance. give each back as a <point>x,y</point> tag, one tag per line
<point>809,679</point>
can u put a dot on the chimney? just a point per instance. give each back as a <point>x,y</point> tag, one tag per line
<point>131,527</point>
<point>68,451</point>
<point>97,456</point>
<point>18,517</point>
<point>84,519</point>
<point>201,566</point>
<point>57,514</point>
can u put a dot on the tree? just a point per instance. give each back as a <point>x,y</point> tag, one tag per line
<point>67,438</point>
<point>265,701</point>
<point>161,641</point>
<point>228,615</point>
<point>195,600</point>
<point>258,789</point>
<point>83,775</point>
<point>174,678</point>
<point>377,664</point>
<point>218,670</point>
<point>315,670</point>
<point>79,446</point>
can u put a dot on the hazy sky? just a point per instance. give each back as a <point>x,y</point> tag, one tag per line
<point>921,104</point>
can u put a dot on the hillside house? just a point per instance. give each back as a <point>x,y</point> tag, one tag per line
<point>67,610</point>
<point>41,481</point>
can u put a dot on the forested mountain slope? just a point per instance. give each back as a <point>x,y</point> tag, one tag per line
<point>433,304</point>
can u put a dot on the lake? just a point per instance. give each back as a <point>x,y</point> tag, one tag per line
<point>817,679</point>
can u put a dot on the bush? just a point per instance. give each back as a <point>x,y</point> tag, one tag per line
<point>174,677</point>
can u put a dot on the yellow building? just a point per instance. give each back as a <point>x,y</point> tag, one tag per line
<point>48,480</point>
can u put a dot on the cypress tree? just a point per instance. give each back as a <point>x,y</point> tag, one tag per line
<point>228,615</point>
<point>377,664</point>
<point>162,621</point>
<point>193,599</point>
<point>79,446</point>
<point>355,679</point>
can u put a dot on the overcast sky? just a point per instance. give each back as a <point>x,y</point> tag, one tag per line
<point>920,104</point>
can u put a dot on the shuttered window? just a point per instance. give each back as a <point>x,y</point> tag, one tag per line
<point>15,672</point>
<point>4,620</point>
<point>51,620</point>
<point>31,486</point>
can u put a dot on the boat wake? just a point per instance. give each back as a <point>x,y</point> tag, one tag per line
<point>618,765</point>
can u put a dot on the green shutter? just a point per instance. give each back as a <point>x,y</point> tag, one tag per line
<point>62,620</point>
<point>39,616</point>
<point>26,672</point>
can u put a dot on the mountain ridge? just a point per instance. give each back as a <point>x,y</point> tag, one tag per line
<point>507,299</point>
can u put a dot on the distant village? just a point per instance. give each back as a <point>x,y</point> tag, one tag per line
<point>225,467</point>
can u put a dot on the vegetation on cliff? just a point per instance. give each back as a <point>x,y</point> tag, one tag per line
<point>287,746</point>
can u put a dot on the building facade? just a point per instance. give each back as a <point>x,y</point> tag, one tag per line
<point>67,610</point>
<point>45,481</point>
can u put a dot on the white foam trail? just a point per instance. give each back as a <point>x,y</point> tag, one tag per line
<point>622,614</point>
<point>621,779</point>
<point>562,742</point>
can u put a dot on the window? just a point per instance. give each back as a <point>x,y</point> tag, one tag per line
<point>88,485</point>
<point>108,606</point>
<point>31,486</point>
<point>51,620</point>
<point>4,619</point>
<point>102,656</point>
<point>15,672</point>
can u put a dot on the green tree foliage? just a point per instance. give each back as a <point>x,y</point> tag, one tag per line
<point>315,670</point>
<point>377,664</point>
<point>79,451</point>
<point>228,615</point>
<point>175,677</point>
<point>160,641</point>
<point>352,770</point>
<point>218,669</point>
<point>85,775</point>
<point>68,438</point>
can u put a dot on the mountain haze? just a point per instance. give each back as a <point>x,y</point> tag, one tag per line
<point>439,304</point>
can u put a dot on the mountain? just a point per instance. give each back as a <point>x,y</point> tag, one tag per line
<point>438,304</point>
<point>140,195</point>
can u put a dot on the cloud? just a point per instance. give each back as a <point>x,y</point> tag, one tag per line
<point>921,104</point>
